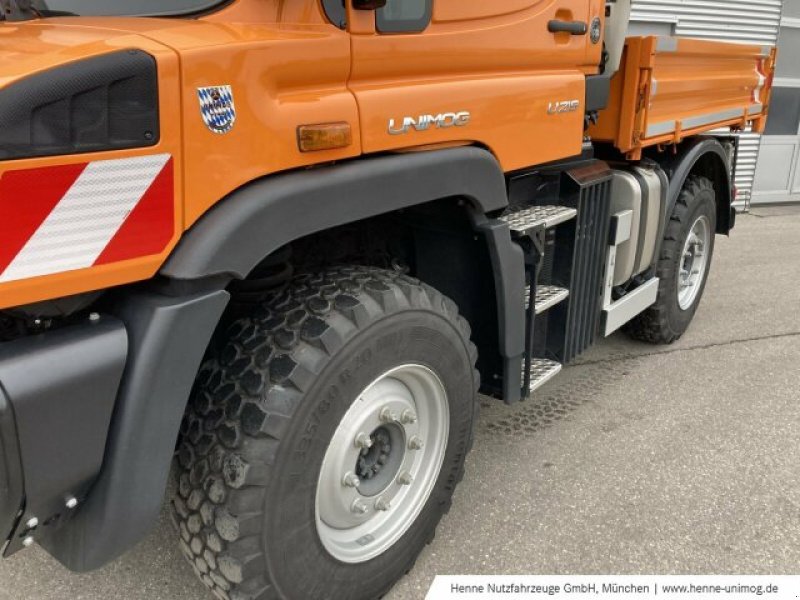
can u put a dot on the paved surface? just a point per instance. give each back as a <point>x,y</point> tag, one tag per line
<point>640,459</point>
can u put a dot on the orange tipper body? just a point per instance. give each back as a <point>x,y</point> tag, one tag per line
<point>277,66</point>
<point>668,89</point>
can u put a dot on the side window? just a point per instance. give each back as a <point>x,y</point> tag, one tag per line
<point>404,16</point>
<point>336,13</point>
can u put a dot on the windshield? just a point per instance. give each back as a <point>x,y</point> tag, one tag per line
<point>133,8</point>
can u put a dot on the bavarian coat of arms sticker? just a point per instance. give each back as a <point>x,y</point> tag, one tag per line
<point>217,108</point>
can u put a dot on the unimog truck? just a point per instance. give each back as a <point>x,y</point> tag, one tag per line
<point>278,247</point>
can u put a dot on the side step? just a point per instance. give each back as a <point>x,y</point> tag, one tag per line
<point>547,296</point>
<point>535,217</point>
<point>530,226</point>
<point>563,238</point>
<point>542,371</point>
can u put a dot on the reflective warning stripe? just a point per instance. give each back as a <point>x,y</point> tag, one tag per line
<point>96,218</point>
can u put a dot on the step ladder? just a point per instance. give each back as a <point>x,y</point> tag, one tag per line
<point>560,217</point>
<point>529,227</point>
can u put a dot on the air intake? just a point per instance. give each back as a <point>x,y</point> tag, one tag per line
<point>107,102</point>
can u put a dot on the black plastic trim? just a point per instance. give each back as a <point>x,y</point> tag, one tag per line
<point>62,386</point>
<point>168,337</point>
<point>598,91</point>
<point>508,266</point>
<point>250,224</point>
<point>11,486</point>
<point>106,102</point>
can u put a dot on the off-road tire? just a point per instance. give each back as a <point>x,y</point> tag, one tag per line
<point>666,322</point>
<point>264,407</point>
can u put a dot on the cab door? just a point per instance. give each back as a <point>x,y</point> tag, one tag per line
<point>509,74</point>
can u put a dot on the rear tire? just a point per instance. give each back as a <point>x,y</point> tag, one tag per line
<point>679,295</point>
<point>265,408</point>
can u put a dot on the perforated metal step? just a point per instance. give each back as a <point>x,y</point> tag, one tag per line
<point>547,296</point>
<point>542,371</point>
<point>538,216</point>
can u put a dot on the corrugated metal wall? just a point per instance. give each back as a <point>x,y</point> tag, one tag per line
<point>743,21</point>
<point>749,145</point>
<point>746,21</point>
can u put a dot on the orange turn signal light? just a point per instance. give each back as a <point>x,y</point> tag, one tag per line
<point>325,136</point>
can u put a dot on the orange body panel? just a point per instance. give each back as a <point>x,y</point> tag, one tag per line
<point>288,67</point>
<point>668,89</point>
<point>39,46</point>
<point>499,64</point>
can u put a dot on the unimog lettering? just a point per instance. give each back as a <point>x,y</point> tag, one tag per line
<point>426,122</point>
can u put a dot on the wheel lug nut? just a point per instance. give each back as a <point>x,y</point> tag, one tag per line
<point>351,480</point>
<point>408,417</point>
<point>382,504</point>
<point>415,443</point>
<point>359,507</point>
<point>405,478</point>
<point>363,441</point>
<point>387,415</point>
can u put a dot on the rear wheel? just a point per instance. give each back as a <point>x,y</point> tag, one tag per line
<point>325,437</point>
<point>683,266</point>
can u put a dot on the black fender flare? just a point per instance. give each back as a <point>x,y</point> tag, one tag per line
<point>708,155</point>
<point>250,224</point>
<point>167,338</point>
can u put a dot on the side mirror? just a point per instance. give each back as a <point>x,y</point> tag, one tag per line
<point>368,4</point>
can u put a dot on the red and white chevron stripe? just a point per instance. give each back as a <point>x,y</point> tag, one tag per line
<point>56,219</point>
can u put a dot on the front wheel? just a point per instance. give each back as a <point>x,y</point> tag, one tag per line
<point>325,438</point>
<point>683,266</point>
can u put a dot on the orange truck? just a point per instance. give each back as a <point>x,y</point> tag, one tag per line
<point>278,247</point>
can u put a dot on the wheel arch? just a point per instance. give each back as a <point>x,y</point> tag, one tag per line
<point>708,157</point>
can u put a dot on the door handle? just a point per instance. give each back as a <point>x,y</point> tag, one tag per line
<point>571,27</point>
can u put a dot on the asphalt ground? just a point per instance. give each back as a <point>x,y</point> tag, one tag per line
<point>637,460</point>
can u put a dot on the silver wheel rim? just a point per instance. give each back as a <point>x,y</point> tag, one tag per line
<point>693,263</point>
<point>364,506</point>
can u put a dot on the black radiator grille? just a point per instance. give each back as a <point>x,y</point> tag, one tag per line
<point>594,208</point>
